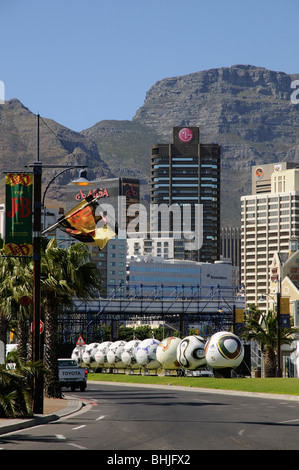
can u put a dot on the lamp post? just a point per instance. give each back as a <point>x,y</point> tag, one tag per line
<point>278,329</point>
<point>81,181</point>
<point>37,350</point>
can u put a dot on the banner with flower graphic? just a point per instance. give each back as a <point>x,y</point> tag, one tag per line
<point>18,214</point>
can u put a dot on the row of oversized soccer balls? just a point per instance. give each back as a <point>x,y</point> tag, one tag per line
<point>221,350</point>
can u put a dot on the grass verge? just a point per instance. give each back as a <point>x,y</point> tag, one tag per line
<point>287,386</point>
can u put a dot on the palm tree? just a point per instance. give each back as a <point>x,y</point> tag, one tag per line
<point>15,387</point>
<point>262,328</point>
<point>15,282</point>
<point>5,314</point>
<point>19,284</point>
<point>65,274</point>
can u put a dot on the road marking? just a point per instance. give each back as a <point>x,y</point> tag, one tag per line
<point>77,446</point>
<point>79,427</point>
<point>60,436</point>
<point>289,421</point>
<point>100,417</point>
<point>199,400</point>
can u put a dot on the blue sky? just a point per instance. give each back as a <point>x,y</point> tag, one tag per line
<point>79,62</point>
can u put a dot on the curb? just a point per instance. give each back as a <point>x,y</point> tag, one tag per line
<point>11,425</point>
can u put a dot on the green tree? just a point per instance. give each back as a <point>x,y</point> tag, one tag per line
<point>16,387</point>
<point>262,328</point>
<point>125,333</point>
<point>143,332</point>
<point>5,314</point>
<point>15,282</point>
<point>66,274</point>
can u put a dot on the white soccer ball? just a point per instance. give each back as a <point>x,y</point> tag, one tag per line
<point>128,355</point>
<point>78,353</point>
<point>166,353</point>
<point>190,352</point>
<point>224,349</point>
<point>114,354</point>
<point>88,356</point>
<point>101,354</point>
<point>146,353</point>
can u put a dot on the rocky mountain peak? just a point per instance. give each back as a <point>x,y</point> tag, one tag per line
<point>244,108</point>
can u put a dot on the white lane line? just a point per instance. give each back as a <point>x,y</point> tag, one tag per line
<point>77,446</point>
<point>199,400</point>
<point>79,427</point>
<point>100,417</point>
<point>60,436</point>
<point>289,421</point>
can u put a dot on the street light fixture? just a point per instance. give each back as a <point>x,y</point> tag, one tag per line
<point>37,350</point>
<point>81,181</point>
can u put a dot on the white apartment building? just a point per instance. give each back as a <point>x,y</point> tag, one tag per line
<point>111,262</point>
<point>164,247</point>
<point>269,219</point>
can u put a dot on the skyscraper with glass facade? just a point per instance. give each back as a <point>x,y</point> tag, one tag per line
<point>187,172</point>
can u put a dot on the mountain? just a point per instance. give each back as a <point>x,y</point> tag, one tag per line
<point>58,145</point>
<point>126,147</point>
<point>244,108</point>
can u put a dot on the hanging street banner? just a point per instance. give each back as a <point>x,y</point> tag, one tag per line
<point>82,223</point>
<point>18,214</point>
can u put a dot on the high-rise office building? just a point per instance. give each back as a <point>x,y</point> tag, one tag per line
<point>231,246</point>
<point>269,220</point>
<point>187,172</point>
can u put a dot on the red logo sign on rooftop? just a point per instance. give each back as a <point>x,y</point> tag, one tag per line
<point>185,135</point>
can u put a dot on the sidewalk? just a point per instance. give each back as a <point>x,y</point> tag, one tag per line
<point>53,410</point>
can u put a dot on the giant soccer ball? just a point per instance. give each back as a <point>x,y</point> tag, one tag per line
<point>166,353</point>
<point>114,354</point>
<point>88,356</point>
<point>224,349</point>
<point>128,355</point>
<point>191,352</point>
<point>101,354</point>
<point>78,353</point>
<point>146,353</point>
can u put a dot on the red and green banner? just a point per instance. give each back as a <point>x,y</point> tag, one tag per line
<point>18,219</point>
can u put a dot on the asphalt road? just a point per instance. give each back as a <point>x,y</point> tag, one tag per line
<point>127,418</point>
